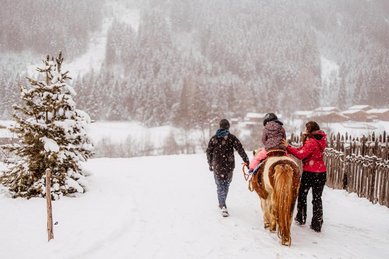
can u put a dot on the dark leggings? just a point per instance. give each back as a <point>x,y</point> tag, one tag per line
<point>316,181</point>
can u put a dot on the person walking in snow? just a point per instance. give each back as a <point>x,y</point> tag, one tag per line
<point>314,173</point>
<point>220,155</point>
<point>272,138</point>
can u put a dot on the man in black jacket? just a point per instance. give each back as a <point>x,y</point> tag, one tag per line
<point>220,155</point>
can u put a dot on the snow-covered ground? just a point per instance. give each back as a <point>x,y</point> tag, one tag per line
<point>166,207</point>
<point>120,131</point>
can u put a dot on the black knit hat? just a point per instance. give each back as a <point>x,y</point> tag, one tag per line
<point>224,124</point>
<point>271,117</point>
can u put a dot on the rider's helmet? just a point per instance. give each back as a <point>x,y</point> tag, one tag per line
<point>271,117</point>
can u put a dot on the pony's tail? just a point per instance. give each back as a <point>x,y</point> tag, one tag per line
<point>284,200</point>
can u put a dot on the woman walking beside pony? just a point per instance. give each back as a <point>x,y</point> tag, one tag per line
<point>314,173</point>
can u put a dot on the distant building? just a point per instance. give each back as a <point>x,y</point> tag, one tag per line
<point>234,120</point>
<point>360,107</point>
<point>254,117</point>
<point>328,114</point>
<point>357,115</point>
<point>330,117</point>
<point>252,120</point>
<point>379,114</point>
<point>326,109</point>
<point>302,115</point>
<point>250,125</point>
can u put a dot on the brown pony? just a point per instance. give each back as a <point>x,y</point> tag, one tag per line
<point>278,189</point>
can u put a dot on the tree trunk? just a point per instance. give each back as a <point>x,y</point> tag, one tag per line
<point>50,234</point>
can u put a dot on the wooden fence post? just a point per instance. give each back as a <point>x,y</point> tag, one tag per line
<point>346,169</point>
<point>50,234</point>
<point>372,177</point>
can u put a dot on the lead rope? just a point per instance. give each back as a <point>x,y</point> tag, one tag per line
<point>248,177</point>
<point>245,175</point>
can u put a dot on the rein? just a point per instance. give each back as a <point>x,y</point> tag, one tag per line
<point>248,177</point>
<point>245,175</point>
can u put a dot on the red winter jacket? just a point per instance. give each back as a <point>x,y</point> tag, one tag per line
<point>311,152</point>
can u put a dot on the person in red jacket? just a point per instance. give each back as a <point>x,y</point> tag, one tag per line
<point>314,173</point>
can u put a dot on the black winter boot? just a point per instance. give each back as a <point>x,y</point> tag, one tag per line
<point>299,219</point>
<point>316,225</point>
<point>301,215</point>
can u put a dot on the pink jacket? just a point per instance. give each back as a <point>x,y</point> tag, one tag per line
<point>272,137</point>
<point>259,156</point>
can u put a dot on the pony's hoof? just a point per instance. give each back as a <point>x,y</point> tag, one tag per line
<point>285,242</point>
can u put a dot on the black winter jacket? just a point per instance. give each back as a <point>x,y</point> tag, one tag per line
<point>220,155</point>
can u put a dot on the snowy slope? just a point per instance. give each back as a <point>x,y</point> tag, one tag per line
<point>329,71</point>
<point>95,56</point>
<point>166,207</point>
<point>329,81</point>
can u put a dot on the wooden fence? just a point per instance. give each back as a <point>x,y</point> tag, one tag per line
<point>359,165</point>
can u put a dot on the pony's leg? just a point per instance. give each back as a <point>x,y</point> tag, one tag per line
<point>286,241</point>
<point>266,218</point>
<point>273,223</point>
<point>273,215</point>
<point>269,220</point>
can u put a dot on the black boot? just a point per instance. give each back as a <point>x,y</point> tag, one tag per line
<point>316,225</point>
<point>301,215</point>
<point>300,219</point>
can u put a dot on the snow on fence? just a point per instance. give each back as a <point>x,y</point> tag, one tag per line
<point>359,165</point>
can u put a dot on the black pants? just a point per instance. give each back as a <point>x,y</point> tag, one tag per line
<point>316,181</point>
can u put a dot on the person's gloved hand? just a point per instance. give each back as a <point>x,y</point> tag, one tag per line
<point>285,143</point>
<point>210,168</point>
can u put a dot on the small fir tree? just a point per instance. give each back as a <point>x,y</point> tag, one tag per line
<point>51,134</point>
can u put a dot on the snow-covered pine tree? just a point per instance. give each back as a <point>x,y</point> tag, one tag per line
<point>51,134</point>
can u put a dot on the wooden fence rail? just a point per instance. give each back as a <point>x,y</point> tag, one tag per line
<point>359,165</point>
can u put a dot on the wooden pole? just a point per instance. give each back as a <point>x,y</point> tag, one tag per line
<point>50,234</point>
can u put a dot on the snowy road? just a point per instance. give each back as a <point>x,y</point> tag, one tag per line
<point>166,207</point>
